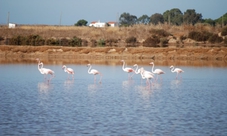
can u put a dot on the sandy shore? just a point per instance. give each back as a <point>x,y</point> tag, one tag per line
<point>163,56</point>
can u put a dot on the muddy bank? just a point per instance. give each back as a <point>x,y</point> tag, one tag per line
<point>108,54</point>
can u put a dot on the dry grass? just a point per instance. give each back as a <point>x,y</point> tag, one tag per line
<point>141,32</point>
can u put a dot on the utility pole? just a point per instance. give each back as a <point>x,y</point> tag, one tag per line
<point>8,18</point>
<point>60,19</point>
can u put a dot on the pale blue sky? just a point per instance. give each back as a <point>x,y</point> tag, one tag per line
<point>49,11</point>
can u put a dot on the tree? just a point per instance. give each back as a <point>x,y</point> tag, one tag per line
<point>173,16</point>
<point>144,19</point>
<point>191,17</point>
<point>126,19</point>
<point>222,20</point>
<point>156,18</point>
<point>209,21</point>
<point>81,22</point>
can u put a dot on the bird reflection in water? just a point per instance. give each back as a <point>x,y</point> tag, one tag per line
<point>175,84</point>
<point>44,87</point>
<point>69,83</point>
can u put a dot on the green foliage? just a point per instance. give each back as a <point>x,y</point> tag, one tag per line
<point>144,19</point>
<point>222,20</point>
<point>224,31</point>
<point>75,41</point>
<point>209,21</point>
<point>156,18</point>
<point>81,22</point>
<point>34,40</point>
<point>174,16</point>
<point>191,17</point>
<point>126,19</point>
<point>101,42</point>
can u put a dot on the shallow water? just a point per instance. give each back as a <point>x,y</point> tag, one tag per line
<point>193,105</point>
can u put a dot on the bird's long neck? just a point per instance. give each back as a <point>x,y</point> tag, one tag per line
<point>152,68</point>
<point>89,69</point>
<point>123,66</point>
<point>172,69</point>
<point>136,70</point>
<point>65,69</point>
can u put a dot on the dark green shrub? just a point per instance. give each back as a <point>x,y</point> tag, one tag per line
<point>75,41</point>
<point>101,42</point>
<point>215,39</point>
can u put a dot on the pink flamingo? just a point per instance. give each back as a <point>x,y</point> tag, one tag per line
<point>177,70</point>
<point>44,71</point>
<point>127,69</point>
<point>137,71</point>
<point>157,71</point>
<point>68,70</point>
<point>94,72</point>
<point>146,75</point>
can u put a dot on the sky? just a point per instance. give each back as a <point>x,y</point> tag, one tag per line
<point>68,12</point>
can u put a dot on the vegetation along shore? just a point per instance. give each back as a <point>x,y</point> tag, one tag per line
<point>144,42</point>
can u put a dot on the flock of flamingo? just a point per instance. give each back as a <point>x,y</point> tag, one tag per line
<point>148,75</point>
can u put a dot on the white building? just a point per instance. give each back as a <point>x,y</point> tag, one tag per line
<point>11,25</point>
<point>112,24</point>
<point>97,24</point>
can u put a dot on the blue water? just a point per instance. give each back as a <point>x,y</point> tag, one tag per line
<point>194,105</point>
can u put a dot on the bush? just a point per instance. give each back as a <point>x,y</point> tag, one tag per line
<point>159,32</point>
<point>101,42</point>
<point>111,41</point>
<point>75,41</point>
<point>199,36</point>
<point>215,39</point>
<point>131,39</point>
<point>225,41</point>
<point>224,31</point>
<point>151,41</point>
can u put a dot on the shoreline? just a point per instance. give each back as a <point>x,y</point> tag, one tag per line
<point>161,56</point>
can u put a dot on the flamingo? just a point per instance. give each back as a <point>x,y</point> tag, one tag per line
<point>44,71</point>
<point>177,70</point>
<point>68,70</point>
<point>137,71</point>
<point>146,75</point>
<point>127,69</point>
<point>157,71</point>
<point>94,72</point>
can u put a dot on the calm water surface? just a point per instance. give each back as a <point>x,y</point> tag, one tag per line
<point>194,105</point>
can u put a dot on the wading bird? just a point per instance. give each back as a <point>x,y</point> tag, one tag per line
<point>94,72</point>
<point>68,70</point>
<point>44,71</point>
<point>146,75</point>
<point>156,71</point>
<point>127,69</point>
<point>177,70</point>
